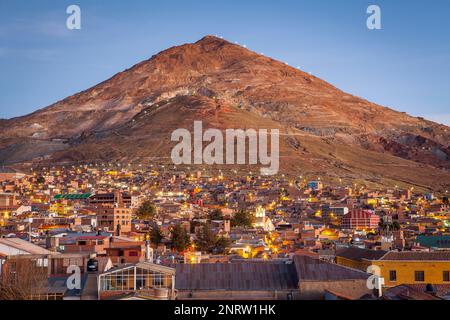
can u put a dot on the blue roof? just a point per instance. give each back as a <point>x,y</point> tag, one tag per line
<point>434,241</point>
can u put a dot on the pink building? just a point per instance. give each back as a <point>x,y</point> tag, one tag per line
<point>359,219</point>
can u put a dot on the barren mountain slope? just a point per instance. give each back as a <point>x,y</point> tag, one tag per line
<point>325,130</point>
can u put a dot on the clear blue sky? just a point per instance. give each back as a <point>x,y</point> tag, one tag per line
<point>406,65</point>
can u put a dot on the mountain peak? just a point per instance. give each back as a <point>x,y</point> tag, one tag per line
<point>210,38</point>
<point>212,42</point>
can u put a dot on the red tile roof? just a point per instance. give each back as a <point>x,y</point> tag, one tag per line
<point>417,256</point>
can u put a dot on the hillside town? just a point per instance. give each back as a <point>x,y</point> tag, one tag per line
<point>138,232</point>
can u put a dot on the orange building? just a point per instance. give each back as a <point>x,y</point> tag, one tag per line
<point>116,220</point>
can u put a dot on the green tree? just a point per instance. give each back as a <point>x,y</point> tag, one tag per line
<point>205,238</point>
<point>146,211</point>
<point>243,219</point>
<point>221,244</point>
<point>395,226</point>
<point>387,225</point>
<point>180,238</point>
<point>40,180</point>
<point>215,215</point>
<point>156,235</point>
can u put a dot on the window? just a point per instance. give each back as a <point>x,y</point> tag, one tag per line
<point>419,276</point>
<point>392,275</point>
<point>133,254</point>
<point>158,281</point>
<point>446,276</point>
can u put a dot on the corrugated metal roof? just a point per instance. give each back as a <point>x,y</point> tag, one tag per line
<point>248,276</point>
<point>73,196</point>
<point>312,269</point>
<point>359,253</point>
<point>440,241</point>
<point>236,276</point>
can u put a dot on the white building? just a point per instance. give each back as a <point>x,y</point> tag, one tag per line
<point>261,221</point>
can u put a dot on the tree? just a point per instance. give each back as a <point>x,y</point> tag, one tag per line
<point>386,226</point>
<point>156,235</point>
<point>22,279</point>
<point>205,239</point>
<point>146,211</point>
<point>40,180</point>
<point>221,244</point>
<point>395,226</point>
<point>242,219</point>
<point>215,215</point>
<point>180,238</point>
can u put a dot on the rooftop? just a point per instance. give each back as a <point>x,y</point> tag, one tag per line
<point>73,196</point>
<point>236,276</point>
<point>16,246</point>
<point>417,256</point>
<point>313,269</point>
<point>354,253</point>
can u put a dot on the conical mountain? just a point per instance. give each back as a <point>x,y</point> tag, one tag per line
<point>325,131</point>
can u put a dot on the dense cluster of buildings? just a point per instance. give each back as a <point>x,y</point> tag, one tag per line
<point>154,232</point>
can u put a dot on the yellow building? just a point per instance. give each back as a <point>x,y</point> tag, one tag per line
<point>60,209</point>
<point>398,268</point>
<point>415,268</point>
<point>328,234</point>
